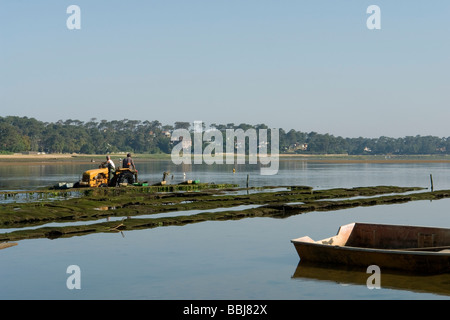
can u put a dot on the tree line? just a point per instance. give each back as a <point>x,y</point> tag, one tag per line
<point>23,134</point>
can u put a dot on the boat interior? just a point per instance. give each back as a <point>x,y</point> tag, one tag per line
<point>393,237</point>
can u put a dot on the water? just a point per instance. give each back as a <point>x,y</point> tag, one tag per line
<point>241,259</point>
<point>317,175</point>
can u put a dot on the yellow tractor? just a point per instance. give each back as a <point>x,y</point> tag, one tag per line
<point>99,178</point>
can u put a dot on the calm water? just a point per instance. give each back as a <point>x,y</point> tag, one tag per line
<point>246,259</point>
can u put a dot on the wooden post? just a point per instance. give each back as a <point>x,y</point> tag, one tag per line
<point>247,179</point>
<point>431,180</point>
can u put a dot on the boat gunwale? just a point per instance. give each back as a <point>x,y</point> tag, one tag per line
<point>362,249</point>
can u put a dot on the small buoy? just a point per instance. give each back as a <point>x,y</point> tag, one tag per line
<point>234,170</point>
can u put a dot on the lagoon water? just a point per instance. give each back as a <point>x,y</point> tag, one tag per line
<point>241,259</point>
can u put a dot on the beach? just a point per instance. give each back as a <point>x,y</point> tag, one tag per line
<point>20,158</point>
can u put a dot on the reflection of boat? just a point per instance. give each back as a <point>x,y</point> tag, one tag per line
<point>5,245</point>
<point>410,248</point>
<point>437,284</point>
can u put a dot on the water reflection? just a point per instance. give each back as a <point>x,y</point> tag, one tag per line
<point>27,196</point>
<point>177,213</point>
<point>153,256</point>
<point>436,284</point>
<point>291,172</point>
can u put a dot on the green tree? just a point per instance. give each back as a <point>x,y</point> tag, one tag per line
<point>182,125</point>
<point>11,139</point>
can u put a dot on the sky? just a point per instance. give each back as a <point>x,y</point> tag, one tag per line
<point>290,64</point>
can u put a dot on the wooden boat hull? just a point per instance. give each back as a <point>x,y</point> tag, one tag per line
<point>399,255</point>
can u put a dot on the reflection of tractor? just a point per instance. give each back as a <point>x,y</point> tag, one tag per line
<point>99,177</point>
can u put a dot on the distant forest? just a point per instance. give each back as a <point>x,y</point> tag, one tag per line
<point>23,134</point>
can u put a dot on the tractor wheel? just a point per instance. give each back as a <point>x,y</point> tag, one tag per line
<point>126,177</point>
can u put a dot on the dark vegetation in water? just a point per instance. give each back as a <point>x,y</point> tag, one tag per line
<point>133,202</point>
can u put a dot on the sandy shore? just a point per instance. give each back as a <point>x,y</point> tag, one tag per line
<point>27,159</point>
<point>18,158</point>
<point>35,156</point>
<point>59,158</point>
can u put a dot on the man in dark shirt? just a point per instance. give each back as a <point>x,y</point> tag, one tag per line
<point>128,162</point>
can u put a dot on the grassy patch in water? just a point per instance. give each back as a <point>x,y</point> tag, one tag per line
<point>130,203</point>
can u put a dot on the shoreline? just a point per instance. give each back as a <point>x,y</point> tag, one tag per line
<point>18,158</point>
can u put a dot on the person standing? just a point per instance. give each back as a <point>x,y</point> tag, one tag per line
<point>111,168</point>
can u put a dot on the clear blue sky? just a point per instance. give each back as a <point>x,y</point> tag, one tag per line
<point>291,64</point>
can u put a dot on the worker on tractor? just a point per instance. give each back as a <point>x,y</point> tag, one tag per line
<point>128,162</point>
<point>111,168</point>
<point>108,175</point>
